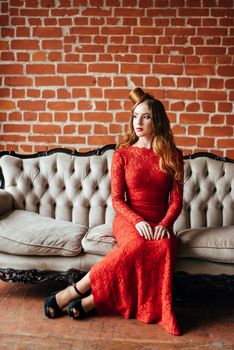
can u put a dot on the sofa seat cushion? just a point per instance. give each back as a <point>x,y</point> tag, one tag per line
<point>211,243</point>
<point>99,240</point>
<point>28,233</point>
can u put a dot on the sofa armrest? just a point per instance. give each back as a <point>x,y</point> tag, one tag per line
<point>6,201</point>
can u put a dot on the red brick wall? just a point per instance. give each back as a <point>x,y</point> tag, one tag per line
<point>67,67</point>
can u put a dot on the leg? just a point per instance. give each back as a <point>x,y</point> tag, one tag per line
<point>65,296</point>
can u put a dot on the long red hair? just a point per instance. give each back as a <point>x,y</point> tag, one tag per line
<point>163,142</point>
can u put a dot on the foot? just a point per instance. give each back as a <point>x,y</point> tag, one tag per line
<point>80,307</point>
<point>63,298</point>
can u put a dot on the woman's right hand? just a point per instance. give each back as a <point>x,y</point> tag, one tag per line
<point>145,230</point>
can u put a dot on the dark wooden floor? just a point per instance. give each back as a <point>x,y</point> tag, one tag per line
<point>207,323</point>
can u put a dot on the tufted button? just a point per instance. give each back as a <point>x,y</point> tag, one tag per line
<point>31,185</point>
<point>64,188</point>
<point>215,189</point>
<point>47,186</point>
<point>198,190</point>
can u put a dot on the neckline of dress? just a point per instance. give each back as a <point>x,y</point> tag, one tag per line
<point>142,147</point>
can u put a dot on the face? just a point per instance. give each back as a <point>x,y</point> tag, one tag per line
<point>142,120</point>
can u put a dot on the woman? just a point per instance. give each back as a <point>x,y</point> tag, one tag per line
<point>135,278</point>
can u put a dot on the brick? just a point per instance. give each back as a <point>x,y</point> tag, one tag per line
<point>71,68</point>
<point>52,44</point>
<point>105,68</point>
<point>23,56</point>
<point>152,49</point>
<point>167,69</point>
<point>177,106</point>
<point>181,94</point>
<point>13,138</point>
<point>135,68</point>
<point>15,116</point>
<point>126,12</point>
<point>42,139</point>
<point>216,83</point>
<point>218,131</point>
<point>40,69</point>
<point>116,93</point>
<point>18,93</point>
<point>212,95</point>
<point>49,81</point>
<point>11,69</point>
<point>25,44</point>
<point>229,84</point>
<point>194,130</point>
<point>73,140</point>
<point>47,129</point>
<point>159,12</point>
<point>178,130</point>
<point>150,31</point>
<point>116,30</point>
<point>194,118</point>
<point>63,93</point>
<point>60,117</point>
<point>81,81</point>
<point>47,32</point>
<point>69,129</point>
<point>95,93</point>
<point>205,142</point>
<point>217,119</point>
<point>230,153</point>
<point>45,117</point>
<point>185,141</point>
<point>4,92</point>
<point>31,105</point>
<point>84,105</point>
<point>101,140</point>
<point>193,107</point>
<point>96,12</point>
<point>210,50</point>
<point>230,119</point>
<point>226,143</point>
<point>100,129</point>
<point>226,71</point>
<point>98,116</point>
<point>194,12</point>
<point>199,70</point>
<point>224,107</point>
<point>200,82</point>
<point>39,56</point>
<point>61,106</point>
<point>33,93</point>
<point>20,128</point>
<point>7,105</point>
<point>84,129</point>
<point>208,107</point>
<point>78,93</point>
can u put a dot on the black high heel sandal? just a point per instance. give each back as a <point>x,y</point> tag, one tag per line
<point>76,304</point>
<point>51,303</point>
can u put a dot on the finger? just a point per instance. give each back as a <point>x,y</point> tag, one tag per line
<point>147,232</point>
<point>150,231</point>
<point>160,235</point>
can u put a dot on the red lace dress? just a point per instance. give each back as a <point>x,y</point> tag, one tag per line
<point>135,278</point>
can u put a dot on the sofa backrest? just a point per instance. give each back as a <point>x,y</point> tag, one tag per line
<point>77,188</point>
<point>208,192</point>
<point>62,186</point>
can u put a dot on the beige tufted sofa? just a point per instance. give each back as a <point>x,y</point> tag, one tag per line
<point>56,216</point>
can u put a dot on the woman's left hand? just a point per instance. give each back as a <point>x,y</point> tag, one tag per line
<point>161,232</point>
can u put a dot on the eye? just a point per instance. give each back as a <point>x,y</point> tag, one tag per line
<point>134,116</point>
<point>147,117</point>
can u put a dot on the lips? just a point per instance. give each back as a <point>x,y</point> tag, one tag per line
<point>139,129</point>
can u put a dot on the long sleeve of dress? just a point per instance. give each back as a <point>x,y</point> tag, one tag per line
<point>118,190</point>
<point>176,201</point>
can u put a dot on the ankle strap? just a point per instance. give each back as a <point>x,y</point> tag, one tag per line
<point>77,290</point>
